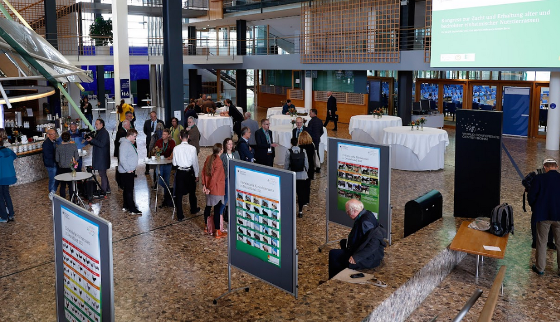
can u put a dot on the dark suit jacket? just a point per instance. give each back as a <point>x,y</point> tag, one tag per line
<point>49,148</point>
<point>237,118</point>
<point>261,149</point>
<point>544,196</point>
<point>121,133</point>
<point>244,153</point>
<point>294,131</point>
<point>315,129</point>
<point>331,104</point>
<point>366,241</point>
<point>101,156</point>
<point>148,129</point>
<point>189,113</point>
<point>194,138</point>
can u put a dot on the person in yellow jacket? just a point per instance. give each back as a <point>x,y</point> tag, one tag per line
<point>122,109</point>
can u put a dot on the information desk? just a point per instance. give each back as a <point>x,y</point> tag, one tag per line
<point>158,162</point>
<point>435,120</point>
<point>479,243</point>
<point>367,129</point>
<point>67,177</point>
<point>282,134</point>
<point>214,129</point>
<point>280,119</point>
<point>278,111</point>
<point>417,150</point>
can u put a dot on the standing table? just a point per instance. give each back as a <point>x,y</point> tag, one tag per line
<point>278,111</point>
<point>367,129</point>
<point>158,163</point>
<point>280,119</point>
<point>214,129</point>
<point>416,150</point>
<point>67,177</point>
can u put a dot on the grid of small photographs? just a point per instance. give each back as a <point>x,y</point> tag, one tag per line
<point>258,224</point>
<point>354,181</point>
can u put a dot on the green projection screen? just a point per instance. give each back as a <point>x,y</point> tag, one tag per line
<point>495,33</point>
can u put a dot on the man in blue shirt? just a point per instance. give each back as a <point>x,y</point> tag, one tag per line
<point>287,106</point>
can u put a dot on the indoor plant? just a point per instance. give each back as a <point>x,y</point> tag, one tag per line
<point>101,31</point>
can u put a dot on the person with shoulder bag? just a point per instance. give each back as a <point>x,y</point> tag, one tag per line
<point>296,160</point>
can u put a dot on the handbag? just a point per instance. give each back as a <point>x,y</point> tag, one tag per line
<point>317,159</point>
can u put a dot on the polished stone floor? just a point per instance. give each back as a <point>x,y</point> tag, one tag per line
<point>169,271</point>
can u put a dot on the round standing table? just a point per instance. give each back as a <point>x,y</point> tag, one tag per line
<point>416,150</point>
<point>214,129</point>
<point>282,134</point>
<point>67,177</point>
<point>278,111</point>
<point>158,163</point>
<point>280,119</point>
<point>366,128</point>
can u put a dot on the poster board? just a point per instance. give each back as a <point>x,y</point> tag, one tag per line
<point>262,224</point>
<point>362,171</point>
<point>478,162</point>
<point>83,264</point>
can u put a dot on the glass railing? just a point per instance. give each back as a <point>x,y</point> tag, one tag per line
<point>244,5</point>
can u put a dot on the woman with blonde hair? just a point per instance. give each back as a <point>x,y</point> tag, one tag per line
<point>122,109</point>
<point>213,185</point>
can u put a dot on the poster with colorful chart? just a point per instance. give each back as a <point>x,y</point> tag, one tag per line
<point>358,176</point>
<point>257,206</point>
<point>82,267</point>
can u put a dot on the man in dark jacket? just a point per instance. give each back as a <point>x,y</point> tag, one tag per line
<point>315,129</point>
<point>331,111</point>
<point>49,147</point>
<point>286,108</point>
<point>365,246</point>
<point>264,151</point>
<point>544,201</point>
<point>101,158</point>
<point>246,153</point>
<point>299,128</point>
<point>149,129</point>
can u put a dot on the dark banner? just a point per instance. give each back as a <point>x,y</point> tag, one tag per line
<point>478,162</point>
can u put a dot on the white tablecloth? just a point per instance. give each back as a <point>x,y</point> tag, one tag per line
<point>431,120</point>
<point>416,150</point>
<point>214,129</point>
<point>280,119</point>
<point>278,110</point>
<point>365,128</point>
<point>226,109</point>
<point>282,134</point>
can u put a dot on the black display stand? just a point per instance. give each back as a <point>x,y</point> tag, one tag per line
<point>478,162</point>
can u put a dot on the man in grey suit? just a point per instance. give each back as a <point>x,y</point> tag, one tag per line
<point>253,126</point>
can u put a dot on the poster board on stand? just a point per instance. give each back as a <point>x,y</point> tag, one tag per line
<point>83,264</point>
<point>262,224</point>
<point>362,171</point>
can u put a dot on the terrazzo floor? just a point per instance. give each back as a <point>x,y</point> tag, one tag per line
<point>169,271</point>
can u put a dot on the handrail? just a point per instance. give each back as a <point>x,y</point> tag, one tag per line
<point>490,305</point>
<point>468,305</point>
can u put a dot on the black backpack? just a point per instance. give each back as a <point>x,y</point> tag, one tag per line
<point>501,221</point>
<point>297,161</point>
<point>526,182</point>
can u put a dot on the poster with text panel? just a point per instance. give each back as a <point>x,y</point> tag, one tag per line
<point>262,223</point>
<point>360,171</point>
<point>83,276</point>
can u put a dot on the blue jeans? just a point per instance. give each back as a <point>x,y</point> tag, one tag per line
<point>6,202</point>
<point>52,183</point>
<point>165,173</point>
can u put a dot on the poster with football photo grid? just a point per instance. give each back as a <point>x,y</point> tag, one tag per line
<point>262,223</point>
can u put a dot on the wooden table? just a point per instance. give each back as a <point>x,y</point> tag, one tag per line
<point>472,241</point>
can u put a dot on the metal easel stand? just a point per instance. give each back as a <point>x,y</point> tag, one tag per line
<point>229,291</point>
<point>327,242</point>
<point>75,196</point>
<point>158,176</point>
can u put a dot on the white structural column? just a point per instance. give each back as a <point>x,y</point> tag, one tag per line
<point>308,92</point>
<point>120,46</point>
<point>553,123</point>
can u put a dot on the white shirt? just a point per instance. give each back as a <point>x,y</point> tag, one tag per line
<point>184,156</point>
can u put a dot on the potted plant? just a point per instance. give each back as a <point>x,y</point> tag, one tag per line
<point>101,31</point>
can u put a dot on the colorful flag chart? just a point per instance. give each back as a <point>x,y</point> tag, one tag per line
<point>258,221</point>
<point>358,176</point>
<point>82,268</point>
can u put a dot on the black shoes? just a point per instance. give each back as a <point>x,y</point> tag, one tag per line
<point>534,268</point>
<point>300,214</point>
<point>335,129</point>
<point>136,212</point>
<point>195,211</point>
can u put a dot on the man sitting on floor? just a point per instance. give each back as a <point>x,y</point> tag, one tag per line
<point>365,245</point>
